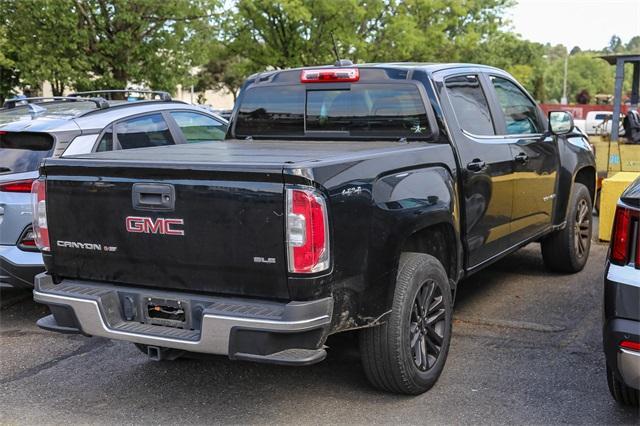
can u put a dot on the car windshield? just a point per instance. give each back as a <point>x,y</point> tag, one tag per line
<point>367,110</point>
<point>55,109</point>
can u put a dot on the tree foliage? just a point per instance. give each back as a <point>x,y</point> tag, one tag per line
<point>9,75</point>
<point>44,41</point>
<point>143,41</point>
<point>93,44</point>
<point>223,71</point>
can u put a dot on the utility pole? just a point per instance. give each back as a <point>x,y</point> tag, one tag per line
<point>564,84</point>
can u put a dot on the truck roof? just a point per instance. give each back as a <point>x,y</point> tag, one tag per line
<point>429,67</point>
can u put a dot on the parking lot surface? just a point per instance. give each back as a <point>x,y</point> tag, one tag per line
<point>526,348</point>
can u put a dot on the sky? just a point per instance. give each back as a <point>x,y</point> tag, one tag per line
<point>585,23</point>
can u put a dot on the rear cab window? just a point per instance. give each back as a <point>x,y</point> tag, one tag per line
<point>271,111</point>
<point>367,109</point>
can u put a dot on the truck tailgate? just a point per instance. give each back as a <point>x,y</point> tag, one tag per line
<point>224,233</point>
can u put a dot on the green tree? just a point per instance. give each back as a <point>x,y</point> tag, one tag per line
<point>434,30</point>
<point>585,72</point>
<point>633,46</point>
<point>224,71</point>
<point>99,44</point>
<point>44,41</point>
<point>153,42</point>
<point>290,33</point>
<point>615,45</point>
<point>9,75</point>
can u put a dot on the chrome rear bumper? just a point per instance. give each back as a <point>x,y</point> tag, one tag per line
<point>97,309</point>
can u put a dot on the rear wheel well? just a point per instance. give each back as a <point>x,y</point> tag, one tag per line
<point>587,177</point>
<point>437,241</point>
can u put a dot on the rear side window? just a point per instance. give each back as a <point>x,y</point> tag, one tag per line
<point>143,132</point>
<point>198,127</point>
<point>269,111</point>
<point>470,104</point>
<point>106,143</point>
<point>520,113</point>
<point>23,152</point>
<point>358,110</point>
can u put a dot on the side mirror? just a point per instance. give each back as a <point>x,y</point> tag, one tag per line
<point>560,122</point>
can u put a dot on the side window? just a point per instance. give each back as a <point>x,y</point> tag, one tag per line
<point>470,104</point>
<point>106,143</point>
<point>198,127</point>
<point>520,113</point>
<point>142,132</point>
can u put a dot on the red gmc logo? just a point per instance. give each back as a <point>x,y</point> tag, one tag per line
<point>147,225</point>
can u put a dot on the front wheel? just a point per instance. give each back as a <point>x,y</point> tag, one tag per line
<point>407,353</point>
<point>567,250</point>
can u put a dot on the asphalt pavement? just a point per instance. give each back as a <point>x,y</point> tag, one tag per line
<point>526,349</point>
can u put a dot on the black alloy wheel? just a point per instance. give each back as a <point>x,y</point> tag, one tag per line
<point>582,225</point>
<point>427,325</point>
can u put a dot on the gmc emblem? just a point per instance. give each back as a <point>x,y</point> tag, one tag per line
<point>147,225</point>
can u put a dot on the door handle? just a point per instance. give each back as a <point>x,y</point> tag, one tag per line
<point>476,165</point>
<point>149,196</point>
<point>522,158</point>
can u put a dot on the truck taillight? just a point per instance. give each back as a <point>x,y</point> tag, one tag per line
<point>625,224</point>
<point>307,231</point>
<point>17,186</point>
<point>39,206</point>
<point>330,75</point>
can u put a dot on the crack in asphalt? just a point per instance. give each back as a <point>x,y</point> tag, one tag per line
<point>518,325</point>
<point>29,372</point>
<point>513,343</point>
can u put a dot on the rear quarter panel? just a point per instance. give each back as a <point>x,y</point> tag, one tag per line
<point>375,204</point>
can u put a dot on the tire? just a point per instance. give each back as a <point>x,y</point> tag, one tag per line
<point>567,250</point>
<point>389,360</point>
<point>622,393</point>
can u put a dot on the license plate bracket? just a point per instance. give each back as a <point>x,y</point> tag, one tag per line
<point>166,312</point>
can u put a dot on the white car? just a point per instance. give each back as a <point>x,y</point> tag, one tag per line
<point>599,123</point>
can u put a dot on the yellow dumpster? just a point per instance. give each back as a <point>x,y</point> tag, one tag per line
<point>612,187</point>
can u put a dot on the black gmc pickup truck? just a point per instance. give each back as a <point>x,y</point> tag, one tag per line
<point>346,197</point>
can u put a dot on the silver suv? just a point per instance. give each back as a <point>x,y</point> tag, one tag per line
<point>32,129</point>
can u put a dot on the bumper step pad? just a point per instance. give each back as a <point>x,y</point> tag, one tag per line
<point>299,357</point>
